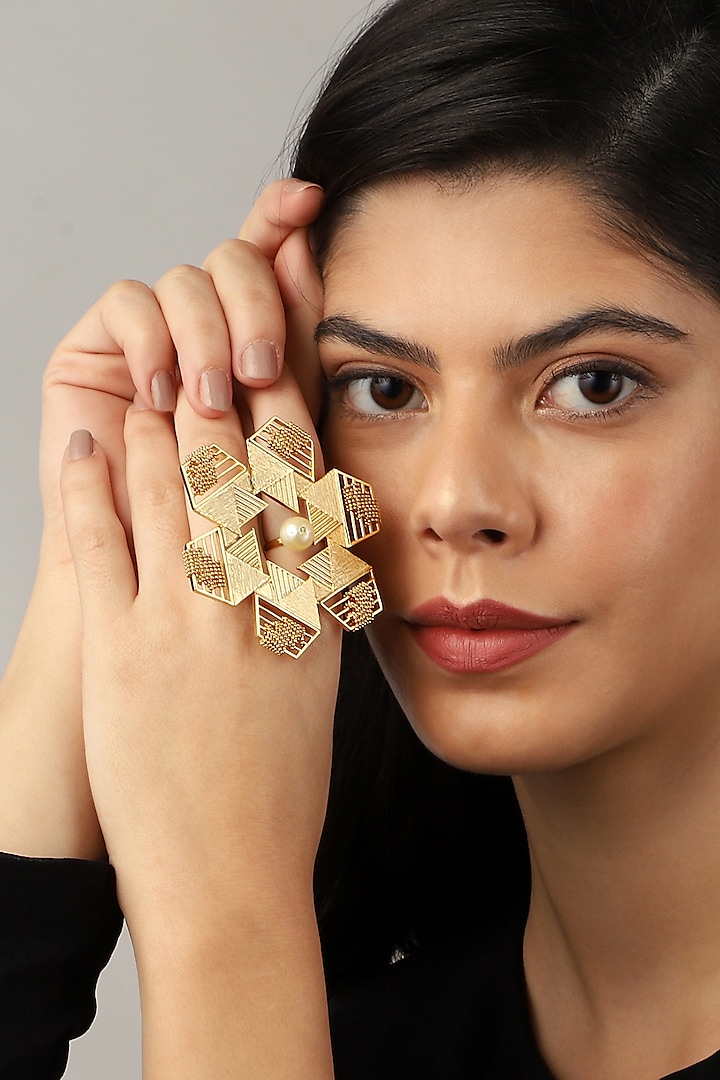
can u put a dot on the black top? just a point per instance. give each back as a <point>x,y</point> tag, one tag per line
<point>457,1011</point>
<point>454,1011</point>
<point>59,923</point>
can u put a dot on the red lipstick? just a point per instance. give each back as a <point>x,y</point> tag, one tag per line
<point>483,636</point>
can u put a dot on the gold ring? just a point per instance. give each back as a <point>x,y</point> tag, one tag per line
<point>336,512</point>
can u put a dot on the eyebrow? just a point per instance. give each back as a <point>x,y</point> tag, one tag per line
<point>620,320</point>
<point>512,353</point>
<point>343,328</point>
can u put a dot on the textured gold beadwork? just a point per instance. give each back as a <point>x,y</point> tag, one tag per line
<point>228,563</point>
<point>206,570</point>
<point>282,635</point>
<point>286,442</point>
<point>360,604</point>
<point>360,501</point>
<point>200,470</point>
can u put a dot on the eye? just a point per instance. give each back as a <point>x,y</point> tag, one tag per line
<point>591,389</point>
<point>382,394</point>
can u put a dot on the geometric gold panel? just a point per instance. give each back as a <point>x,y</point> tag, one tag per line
<point>287,443</point>
<point>324,525</point>
<point>362,513</point>
<point>210,467</point>
<point>349,502</point>
<point>357,604</point>
<point>291,594</point>
<point>217,571</point>
<point>280,632</point>
<point>332,569</point>
<point>231,506</point>
<point>204,560</point>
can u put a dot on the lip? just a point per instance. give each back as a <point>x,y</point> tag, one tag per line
<point>483,636</point>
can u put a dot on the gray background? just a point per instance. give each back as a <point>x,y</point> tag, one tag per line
<point>135,135</point>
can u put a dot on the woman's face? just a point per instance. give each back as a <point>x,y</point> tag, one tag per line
<point>537,408</point>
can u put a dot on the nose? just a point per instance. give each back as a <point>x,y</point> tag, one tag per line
<point>473,488</point>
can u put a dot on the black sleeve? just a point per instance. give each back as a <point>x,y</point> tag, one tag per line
<point>59,923</point>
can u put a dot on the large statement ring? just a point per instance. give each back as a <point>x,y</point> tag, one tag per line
<point>228,563</point>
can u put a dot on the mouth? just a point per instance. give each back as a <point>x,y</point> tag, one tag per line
<point>484,636</point>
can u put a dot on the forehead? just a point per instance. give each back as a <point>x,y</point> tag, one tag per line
<point>497,257</point>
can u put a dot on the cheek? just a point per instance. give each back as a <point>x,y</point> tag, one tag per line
<point>637,542</point>
<point>386,468</point>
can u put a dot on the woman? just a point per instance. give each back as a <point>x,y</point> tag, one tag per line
<point>515,323</point>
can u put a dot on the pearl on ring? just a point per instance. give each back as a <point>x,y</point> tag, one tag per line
<point>296,533</point>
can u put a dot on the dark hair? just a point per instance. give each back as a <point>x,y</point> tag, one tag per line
<point>621,95</point>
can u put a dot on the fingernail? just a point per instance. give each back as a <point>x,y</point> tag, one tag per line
<point>294,187</point>
<point>215,389</point>
<point>259,360</point>
<point>138,405</point>
<point>81,445</point>
<point>164,391</point>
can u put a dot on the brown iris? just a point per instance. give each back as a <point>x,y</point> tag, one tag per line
<point>600,387</point>
<point>389,392</point>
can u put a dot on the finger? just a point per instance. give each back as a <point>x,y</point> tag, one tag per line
<point>197,325</point>
<point>250,297</point>
<point>127,338</point>
<point>301,291</point>
<point>157,501</point>
<point>285,400</point>
<point>193,431</point>
<point>103,566</point>
<point>283,206</point>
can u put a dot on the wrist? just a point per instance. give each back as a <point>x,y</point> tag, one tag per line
<point>201,910</point>
<point>238,996</point>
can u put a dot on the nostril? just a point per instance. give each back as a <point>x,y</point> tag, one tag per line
<point>495,536</point>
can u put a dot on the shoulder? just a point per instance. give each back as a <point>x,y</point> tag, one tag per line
<point>441,1013</point>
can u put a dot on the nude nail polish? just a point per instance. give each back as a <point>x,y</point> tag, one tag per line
<point>259,360</point>
<point>81,445</point>
<point>215,389</point>
<point>164,391</point>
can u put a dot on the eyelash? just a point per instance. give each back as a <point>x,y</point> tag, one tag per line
<point>335,389</point>
<point>646,387</point>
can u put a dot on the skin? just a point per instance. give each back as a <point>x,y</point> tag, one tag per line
<point>608,523</point>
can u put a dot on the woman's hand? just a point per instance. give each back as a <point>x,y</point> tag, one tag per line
<point>209,761</point>
<point>116,350</point>
<point>253,298</point>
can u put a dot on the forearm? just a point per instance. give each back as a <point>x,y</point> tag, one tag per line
<point>46,807</point>
<point>234,997</point>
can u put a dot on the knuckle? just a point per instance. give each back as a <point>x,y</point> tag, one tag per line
<point>142,423</point>
<point>158,494</point>
<point>93,541</point>
<point>62,368</point>
<point>124,291</point>
<point>239,254</point>
<point>93,546</point>
<point>124,299</point>
<point>183,276</point>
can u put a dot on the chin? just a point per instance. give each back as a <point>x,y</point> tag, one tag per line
<point>506,730</point>
<point>521,720</point>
